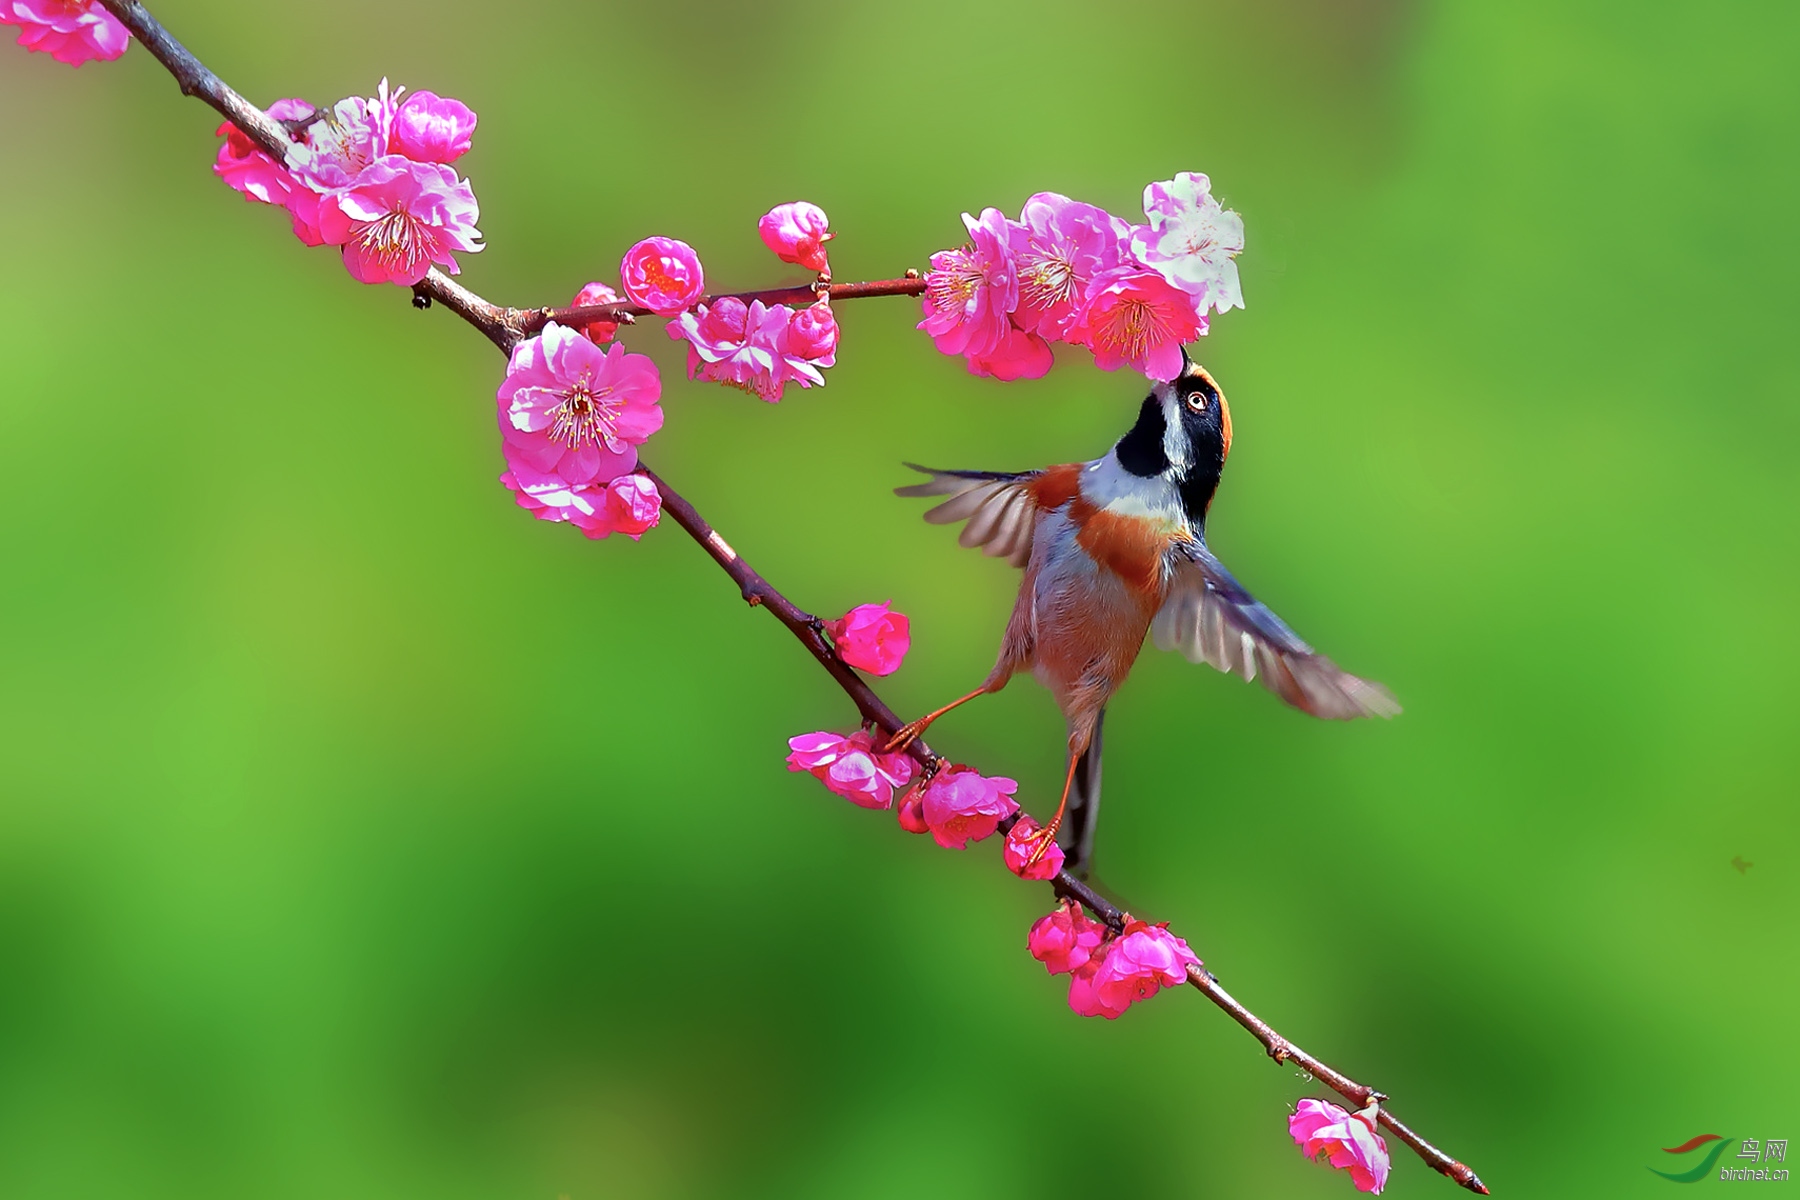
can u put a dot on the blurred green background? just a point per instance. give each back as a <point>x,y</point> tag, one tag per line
<point>362,837</point>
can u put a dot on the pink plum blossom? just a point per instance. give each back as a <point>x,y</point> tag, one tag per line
<point>347,139</point>
<point>912,812</point>
<point>1065,940</point>
<point>629,504</point>
<point>1137,964</point>
<point>813,334</point>
<point>1019,355</point>
<point>742,346</point>
<point>245,167</point>
<point>432,128</point>
<point>851,766</point>
<point>728,342</point>
<point>633,506</point>
<point>1085,999</point>
<point>302,206</point>
<point>1133,315</point>
<point>805,343</point>
<point>1191,240</point>
<point>1059,245</point>
<point>970,290</point>
<point>70,31</point>
<point>262,180</point>
<point>1020,846</point>
<point>663,275</point>
<point>398,217</point>
<point>963,806</point>
<point>715,333</point>
<point>797,233</point>
<point>1347,1140</point>
<point>872,638</point>
<point>598,332</point>
<point>573,414</point>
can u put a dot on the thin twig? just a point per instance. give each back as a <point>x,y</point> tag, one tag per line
<point>506,327</point>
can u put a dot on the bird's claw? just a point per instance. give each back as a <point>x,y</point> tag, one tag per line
<point>1041,841</point>
<point>906,735</point>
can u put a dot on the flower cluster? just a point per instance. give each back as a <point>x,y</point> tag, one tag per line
<point>956,806</point>
<point>851,766</point>
<point>1347,1140</point>
<point>370,176</point>
<point>572,416</point>
<point>1071,272</point>
<point>758,348</point>
<point>1065,940</point>
<point>1107,976</point>
<point>959,806</point>
<point>70,31</point>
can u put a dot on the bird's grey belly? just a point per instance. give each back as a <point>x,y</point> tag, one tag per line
<point>1087,626</point>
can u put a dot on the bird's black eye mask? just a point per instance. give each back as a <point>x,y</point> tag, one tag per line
<point>1198,394</point>
<point>1204,409</point>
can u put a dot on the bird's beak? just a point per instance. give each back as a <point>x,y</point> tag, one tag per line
<point>1189,368</point>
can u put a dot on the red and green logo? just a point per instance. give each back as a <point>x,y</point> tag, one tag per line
<point>1701,1169</point>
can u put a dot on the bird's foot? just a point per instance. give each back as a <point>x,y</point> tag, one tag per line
<point>1041,841</point>
<point>907,734</point>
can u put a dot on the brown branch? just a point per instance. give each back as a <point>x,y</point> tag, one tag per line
<point>491,319</point>
<point>506,327</point>
<point>909,284</point>
<point>196,80</point>
<point>1359,1095</point>
<point>520,323</point>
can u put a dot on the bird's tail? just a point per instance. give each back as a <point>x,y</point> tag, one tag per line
<point>1076,836</point>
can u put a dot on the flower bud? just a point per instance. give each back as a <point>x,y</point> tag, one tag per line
<point>813,334</point>
<point>432,128</point>
<point>663,274</point>
<point>797,233</point>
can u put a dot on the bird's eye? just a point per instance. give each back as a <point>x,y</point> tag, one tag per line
<point>1196,401</point>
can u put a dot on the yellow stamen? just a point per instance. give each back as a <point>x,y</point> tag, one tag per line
<point>1045,280</point>
<point>586,416</point>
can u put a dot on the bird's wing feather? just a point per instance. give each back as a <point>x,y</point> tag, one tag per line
<point>1210,618</point>
<point>999,507</point>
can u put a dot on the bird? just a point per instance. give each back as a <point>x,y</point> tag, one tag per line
<point>1115,548</point>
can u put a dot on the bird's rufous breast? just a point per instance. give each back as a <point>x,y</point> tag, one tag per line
<point>1131,547</point>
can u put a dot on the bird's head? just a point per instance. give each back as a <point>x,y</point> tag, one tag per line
<point>1183,433</point>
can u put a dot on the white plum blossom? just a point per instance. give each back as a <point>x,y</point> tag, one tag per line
<point>1191,240</point>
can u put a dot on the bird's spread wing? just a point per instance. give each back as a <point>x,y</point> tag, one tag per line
<point>1210,618</point>
<point>1000,508</point>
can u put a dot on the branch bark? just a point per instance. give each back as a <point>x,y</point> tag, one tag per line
<point>506,327</point>
<point>911,284</point>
